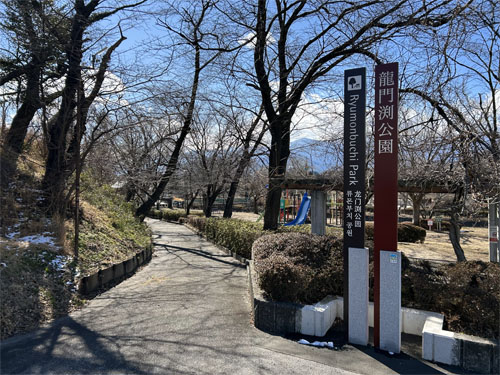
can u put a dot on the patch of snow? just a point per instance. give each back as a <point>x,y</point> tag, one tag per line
<point>11,235</point>
<point>320,344</point>
<point>60,262</point>
<point>39,239</point>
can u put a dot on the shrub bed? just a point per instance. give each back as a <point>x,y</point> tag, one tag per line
<point>167,214</point>
<point>305,268</point>
<point>298,267</point>
<point>406,232</point>
<point>236,235</point>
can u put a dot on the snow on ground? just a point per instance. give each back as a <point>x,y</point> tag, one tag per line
<point>39,239</point>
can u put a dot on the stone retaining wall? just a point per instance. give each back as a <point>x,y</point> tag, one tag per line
<point>114,273</point>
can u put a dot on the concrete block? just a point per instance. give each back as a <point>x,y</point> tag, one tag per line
<point>390,301</point>
<point>428,346</point>
<point>495,364</point>
<point>433,325</point>
<point>307,320</point>
<point>339,301</point>
<point>89,283</point>
<point>266,316</point>
<point>284,314</point>
<point>119,270</point>
<point>446,348</point>
<point>106,275</point>
<point>130,265</point>
<point>140,259</point>
<point>358,296</point>
<point>317,319</point>
<point>413,320</point>
<point>477,355</point>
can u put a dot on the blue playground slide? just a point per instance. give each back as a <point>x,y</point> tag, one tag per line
<point>303,210</point>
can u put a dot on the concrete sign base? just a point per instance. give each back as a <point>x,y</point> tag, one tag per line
<point>358,296</point>
<point>390,301</point>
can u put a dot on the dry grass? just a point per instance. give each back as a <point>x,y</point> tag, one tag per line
<point>437,246</point>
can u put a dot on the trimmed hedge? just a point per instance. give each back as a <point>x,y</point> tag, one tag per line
<point>305,268</point>
<point>239,235</point>
<point>167,215</point>
<point>236,235</point>
<point>406,232</point>
<point>298,267</point>
<point>170,215</point>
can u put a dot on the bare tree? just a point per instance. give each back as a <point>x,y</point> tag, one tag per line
<point>463,90</point>
<point>38,58</point>
<point>194,25</point>
<point>290,57</point>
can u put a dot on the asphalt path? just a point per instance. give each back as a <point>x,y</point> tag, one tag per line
<point>186,312</point>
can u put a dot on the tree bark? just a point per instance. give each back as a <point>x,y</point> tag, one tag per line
<point>54,179</point>
<point>190,201</point>
<point>210,197</point>
<point>255,204</point>
<point>455,226</point>
<point>278,158</point>
<point>14,141</point>
<point>228,208</point>
<point>416,200</point>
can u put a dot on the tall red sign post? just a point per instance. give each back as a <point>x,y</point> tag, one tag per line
<point>387,260</point>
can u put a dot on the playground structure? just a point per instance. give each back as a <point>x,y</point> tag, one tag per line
<point>289,215</point>
<point>301,216</point>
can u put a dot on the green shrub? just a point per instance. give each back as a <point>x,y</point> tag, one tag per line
<point>167,214</point>
<point>406,232</point>
<point>411,233</point>
<point>155,214</point>
<point>236,235</point>
<point>299,267</point>
<point>172,215</point>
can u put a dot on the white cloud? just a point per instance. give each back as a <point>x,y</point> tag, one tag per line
<point>249,40</point>
<point>316,117</point>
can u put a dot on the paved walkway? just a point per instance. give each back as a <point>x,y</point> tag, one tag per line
<point>186,312</point>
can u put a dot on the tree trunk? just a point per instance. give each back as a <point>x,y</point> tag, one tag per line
<point>278,158</point>
<point>416,200</point>
<point>228,208</point>
<point>14,140</point>
<point>210,197</point>
<point>131,192</point>
<point>455,226</point>
<point>54,180</point>
<point>190,201</point>
<point>255,204</point>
